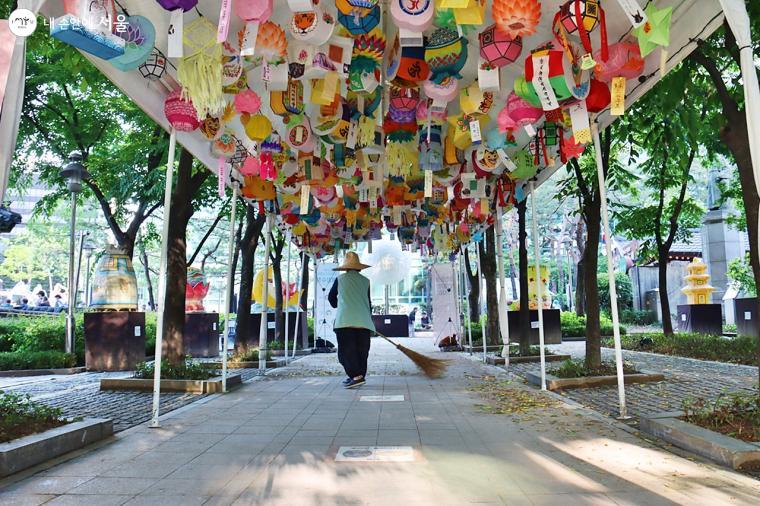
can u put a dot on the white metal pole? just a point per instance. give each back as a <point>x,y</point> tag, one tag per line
<point>539,295</point>
<point>162,280</point>
<point>298,313</point>
<point>503,314</point>
<point>460,296</point>
<point>230,253</point>
<point>480,303</point>
<point>287,300</point>
<point>70,325</point>
<point>263,327</point>
<point>610,271</point>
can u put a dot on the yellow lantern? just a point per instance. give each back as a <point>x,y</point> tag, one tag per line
<point>258,127</point>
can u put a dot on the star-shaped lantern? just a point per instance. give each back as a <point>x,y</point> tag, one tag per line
<point>656,31</point>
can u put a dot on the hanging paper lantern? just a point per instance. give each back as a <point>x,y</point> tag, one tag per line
<point>271,42</point>
<point>362,23</point>
<point>521,112</point>
<point>247,101</point>
<point>241,153</point>
<point>444,92</point>
<point>414,15</point>
<point>599,96</point>
<point>412,66</point>
<point>139,38</point>
<point>517,18</point>
<point>154,67</point>
<point>497,48</point>
<point>505,122</point>
<point>199,71</point>
<point>84,28</point>
<point>258,127</point>
<point>181,113</point>
<point>171,5</point>
<point>212,127</point>
<point>624,60</point>
<point>225,145</point>
<point>446,54</point>
<point>404,99</point>
<point>550,134</point>
<point>581,16</point>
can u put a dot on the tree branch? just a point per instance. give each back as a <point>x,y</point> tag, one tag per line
<point>730,105</point>
<point>106,207</point>
<point>208,234</point>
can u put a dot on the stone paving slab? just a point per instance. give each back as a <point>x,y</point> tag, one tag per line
<point>278,438</point>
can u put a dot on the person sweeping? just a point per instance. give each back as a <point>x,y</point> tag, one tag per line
<point>353,320</point>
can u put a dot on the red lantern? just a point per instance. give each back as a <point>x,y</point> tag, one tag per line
<point>498,48</point>
<point>181,113</point>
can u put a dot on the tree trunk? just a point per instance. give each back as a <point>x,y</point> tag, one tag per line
<point>580,285</point>
<point>662,271</point>
<point>176,274</point>
<point>303,302</point>
<point>149,284</point>
<point>590,265</point>
<point>488,266</point>
<point>473,296</point>
<point>512,272</point>
<point>254,226</point>
<point>235,260</point>
<point>279,314</point>
<point>522,239</point>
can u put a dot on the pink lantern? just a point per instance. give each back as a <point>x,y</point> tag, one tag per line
<point>251,167</point>
<point>521,112</point>
<point>624,60</point>
<point>196,289</point>
<point>505,122</point>
<point>180,113</point>
<point>247,102</point>
<point>498,48</point>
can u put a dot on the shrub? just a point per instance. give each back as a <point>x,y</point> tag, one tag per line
<point>20,416</point>
<point>575,326</point>
<point>637,317</point>
<point>624,289</point>
<point>577,369</point>
<point>17,360</point>
<point>737,350</point>
<point>40,333</point>
<point>249,355</point>
<point>187,370</point>
<point>736,415</point>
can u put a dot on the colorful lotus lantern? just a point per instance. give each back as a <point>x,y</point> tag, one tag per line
<point>139,38</point>
<point>254,12</point>
<point>497,48</point>
<point>517,18</point>
<point>196,289</point>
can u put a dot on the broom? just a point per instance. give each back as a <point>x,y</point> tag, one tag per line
<point>431,367</point>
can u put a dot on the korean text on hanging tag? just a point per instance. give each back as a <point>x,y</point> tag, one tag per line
<point>176,27</point>
<point>221,179</point>
<point>372,197</point>
<point>617,93</point>
<point>508,163</point>
<point>305,191</point>
<point>475,134</point>
<point>396,215</point>
<point>542,84</point>
<point>633,11</point>
<point>266,72</point>
<point>428,184</point>
<point>353,135</point>
<point>580,122</point>
<point>224,21</point>
<point>248,46</point>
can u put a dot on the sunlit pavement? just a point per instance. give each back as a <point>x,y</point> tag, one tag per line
<point>274,441</point>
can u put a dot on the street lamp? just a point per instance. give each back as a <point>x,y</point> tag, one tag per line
<point>88,248</point>
<point>73,173</point>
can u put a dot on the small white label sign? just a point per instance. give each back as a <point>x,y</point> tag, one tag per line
<point>748,315</point>
<point>138,331</point>
<point>534,325</point>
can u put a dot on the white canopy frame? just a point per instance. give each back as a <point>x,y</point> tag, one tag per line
<point>539,285</point>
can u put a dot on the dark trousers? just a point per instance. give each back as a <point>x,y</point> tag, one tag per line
<point>353,350</point>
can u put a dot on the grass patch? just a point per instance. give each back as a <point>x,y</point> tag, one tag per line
<point>248,355</point>
<point>20,416</point>
<point>20,360</point>
<point>503,398</point>
<point>577,369</point>
<point>736,350</point>
<point>575,326</point>
<point>187,370</point>
<point>735,415</point>
<point>533,351</point>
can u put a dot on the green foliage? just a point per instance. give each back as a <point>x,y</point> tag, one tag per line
<point>737,350</point>
<point>638,317</point>
<point>741,275</point>
<point>575,326</point>
<point>249,355</point>
<point>187,370</point>
<point>736,415</point>
<point>19,416</point>
<point>624,292</point>
<point>280,345</point>
<point>577,369</point>
<point>16,360</point>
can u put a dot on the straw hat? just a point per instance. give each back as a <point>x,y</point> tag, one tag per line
<point>351,263</point>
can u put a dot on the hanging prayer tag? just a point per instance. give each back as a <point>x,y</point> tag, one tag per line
<point>475,134</point>
<point>353,135</point>
<point>224,21</point>
<point>248,47</point>
<point>508,163</point>
<point>488,78</point>
<point>635,14</point>
<point>409,38</point>
<point>428,184</point>
<point>663,61</point>
<point>304,207</point>
<point>617,100</point>
<point>542,83</point>
<point>266,72</point>
<point>396,215</point>
<point>579,120</point>
<point>174,43</point>
<point>530,130</point>
<point>221,176</point>
<point>484,209</point>
<point>372,197</point>
<point>587,62</point>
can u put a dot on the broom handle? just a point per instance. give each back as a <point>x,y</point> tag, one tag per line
<point>387,339</point>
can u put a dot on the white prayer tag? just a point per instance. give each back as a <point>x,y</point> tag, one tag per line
<point>542,84</point>
<point>266,73</point>
<point>396,215</point>
<point>304,207</point>
<point>580,122</point>
<point>248,47</point>
<point>530,130</point>
<point>475,134</point>
<point>428,184</point>
<point>508,163</point>
<point>488,78</point>
<point>372,197</point>
<point>409,38</point>
<point>174,42</point>
<point>278,77</point>
<point>633,11</point>
<point>353,135</point>
<point>438,106</point>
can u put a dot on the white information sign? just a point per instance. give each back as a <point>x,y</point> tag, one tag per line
<point>324,313</point>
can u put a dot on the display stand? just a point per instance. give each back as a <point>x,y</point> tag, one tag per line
<point>701,318</point>
<point>114,340</point>
<point>201,337</point>
<point>552,327</point>
<point>746,317</point>
<point>391,325</point>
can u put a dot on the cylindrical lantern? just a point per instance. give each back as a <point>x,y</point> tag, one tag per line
<point>180,113</point>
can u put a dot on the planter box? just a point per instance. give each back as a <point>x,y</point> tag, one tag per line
<point>201,336</point>
<point>211,386</point>
<point>114,340</point>
<point>552,327</point>
<point>746,317</point>
<point>498,360</point>
<point>35,449</point>
<point>724,450</point>
<point>701,318</point>
<point>299,353</point>
<point>555,383</point>
<point>19,373</point>
<point>479,349</point>
<point>271,364</point>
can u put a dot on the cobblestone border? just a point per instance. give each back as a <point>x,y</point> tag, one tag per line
<point>21,373</point>
<point>167,385</point>
<point>494,360</point>
<point>556,383</point>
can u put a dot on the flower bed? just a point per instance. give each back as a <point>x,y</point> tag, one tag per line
<point>577,369</point>
<point>19,417</point>
<point>734,415</point>
<point>187,370</point>
<point>737,350</point>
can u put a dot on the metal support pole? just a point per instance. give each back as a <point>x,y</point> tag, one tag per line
<point>287,301</point>
<point>461,297</point>
<point>539,295</point>
<point>263,327</point>
<point>298,313</point>
<point>503,315</point>
<point>480,302</point>
<point>227,293</point>
<point>162,280</point>
<point>610,271</point>
<point>87,298</point>
<point>70,328</point>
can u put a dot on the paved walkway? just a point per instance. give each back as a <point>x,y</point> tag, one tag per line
<point>685,379</point>
<point>274,440</point>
